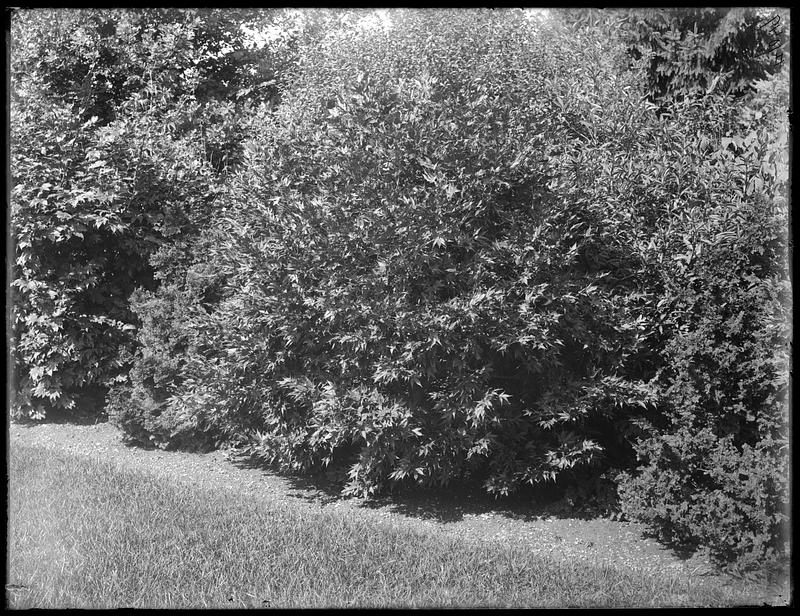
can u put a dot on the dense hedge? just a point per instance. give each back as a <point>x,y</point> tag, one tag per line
<point>479,245</point>
<point>406,286</point>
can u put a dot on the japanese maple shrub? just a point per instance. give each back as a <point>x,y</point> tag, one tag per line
<point>410,288</point>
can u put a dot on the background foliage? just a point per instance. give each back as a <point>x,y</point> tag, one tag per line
<point>471,245</point>
<point>691,52</point>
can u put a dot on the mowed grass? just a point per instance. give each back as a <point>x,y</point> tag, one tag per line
<point>86,534</point>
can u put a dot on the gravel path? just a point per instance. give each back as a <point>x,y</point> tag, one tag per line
<point>597,540</point>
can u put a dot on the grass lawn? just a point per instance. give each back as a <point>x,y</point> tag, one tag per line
<point>85,533</point>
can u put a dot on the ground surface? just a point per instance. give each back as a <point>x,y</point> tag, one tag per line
<point>471,516</point>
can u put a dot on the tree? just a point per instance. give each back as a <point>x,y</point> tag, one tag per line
<point>121,123</point>
<point>688,52</point>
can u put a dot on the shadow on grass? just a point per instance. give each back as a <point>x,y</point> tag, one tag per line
<point>452,503</point>
<point>441,504</point>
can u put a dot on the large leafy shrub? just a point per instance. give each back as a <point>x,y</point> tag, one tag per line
<point>117,134</point>
<point>413,287</point>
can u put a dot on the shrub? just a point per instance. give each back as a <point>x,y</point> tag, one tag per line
<point>116,138</point>
<point>411,290</point>
<point>713,460</point>
<point>143,407</point>
<point>716,473</point>
<point>700,490</point>
<point>184,289</point>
